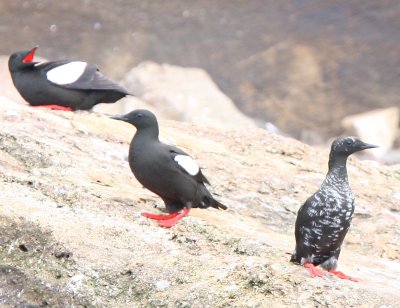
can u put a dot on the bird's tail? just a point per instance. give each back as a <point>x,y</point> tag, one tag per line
<point>218,205</point>
<point>294,258</point>
<point>207,200</point>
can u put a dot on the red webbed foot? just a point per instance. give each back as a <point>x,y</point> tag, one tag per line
<point>172,222</point>
<point>159,217</point>
<point>343,276</point>
<point>314,272</point>
<point>54,107</point>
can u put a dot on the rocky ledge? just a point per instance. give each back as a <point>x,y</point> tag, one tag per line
<point>70,233</point>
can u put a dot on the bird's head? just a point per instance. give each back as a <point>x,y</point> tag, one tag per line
<point>140,118</point>
<point>346,146</point>
<point>22,59</point>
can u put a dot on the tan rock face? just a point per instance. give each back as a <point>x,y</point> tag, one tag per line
<point>379,126</point>
<point>184,94</point>
<point>70,233</point>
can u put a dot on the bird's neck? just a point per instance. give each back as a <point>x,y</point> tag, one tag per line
<point>24,68</point>
<point>147,134</point>
<point>337,167</point>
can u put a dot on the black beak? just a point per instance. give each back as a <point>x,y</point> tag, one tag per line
<point>364,146</point>
<point>119,118</point>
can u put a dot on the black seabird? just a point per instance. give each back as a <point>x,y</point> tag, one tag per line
<point>62,85</point>
<point>166,170</point>
<point>324,219</point>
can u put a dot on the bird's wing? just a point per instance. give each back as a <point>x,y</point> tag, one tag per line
<point>309,213</point>
<point>79,75</point>
<point>187,164</point>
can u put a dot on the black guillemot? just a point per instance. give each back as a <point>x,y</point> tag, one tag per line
<point>62,85</point>
<point>166,170</point>
<point>324,219</point>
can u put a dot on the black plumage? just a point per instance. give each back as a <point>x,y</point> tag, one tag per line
<point>166,170</point>
<point>72,85</point>
<point>324,219</point>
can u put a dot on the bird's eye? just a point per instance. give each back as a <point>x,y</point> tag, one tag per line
<point>349,142</point>
<point>139,115</point>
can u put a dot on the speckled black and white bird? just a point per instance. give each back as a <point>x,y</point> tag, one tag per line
<point>324,219</point>
<point>63,85</point>
<point>166,170</point>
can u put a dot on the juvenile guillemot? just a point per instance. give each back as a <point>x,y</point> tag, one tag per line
<point>324,219</point>
<point>166,170</point>
<point>61,85</point>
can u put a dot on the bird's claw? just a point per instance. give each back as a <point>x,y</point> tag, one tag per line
<point>54,107</point>
<point>167,221</point>
<point>342,275</point>
<point>314,271</point>
<point>159,217</point>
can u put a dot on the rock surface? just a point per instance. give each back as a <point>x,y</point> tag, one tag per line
<point>184,94</point>
<point>70,233</point>
<point>379,126</point>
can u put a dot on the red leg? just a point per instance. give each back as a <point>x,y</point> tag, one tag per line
<point>54,107</point>
<point>171,222</point>
<point>159,217</point>
<point>314,272</point>
<point>343,276</point>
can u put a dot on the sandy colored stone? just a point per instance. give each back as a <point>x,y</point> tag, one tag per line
<point>380,126</point>
<point>184,94</point>
<point>66,190</point>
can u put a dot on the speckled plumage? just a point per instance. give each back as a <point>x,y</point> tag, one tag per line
<point>324,219</point>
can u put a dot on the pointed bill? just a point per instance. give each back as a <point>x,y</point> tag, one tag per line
<point>365,146</point>
<point>29,57</point>
<point>119,118</point>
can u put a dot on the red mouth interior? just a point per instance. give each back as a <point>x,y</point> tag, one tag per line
<point>29,57</point>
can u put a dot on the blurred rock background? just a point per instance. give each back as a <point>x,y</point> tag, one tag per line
<point>297,66</point>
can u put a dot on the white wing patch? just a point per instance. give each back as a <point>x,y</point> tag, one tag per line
<point>187,163</point>
<point>67,73</point>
